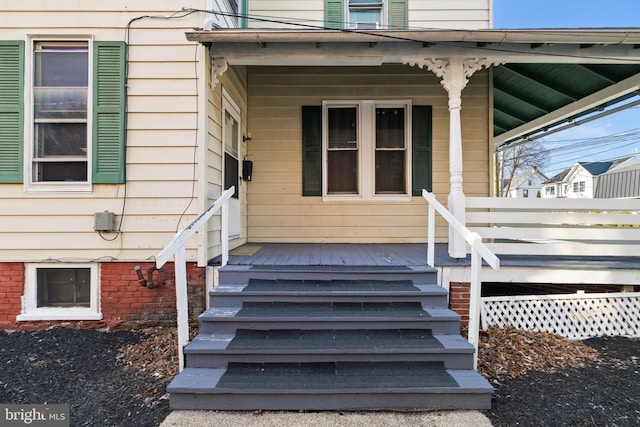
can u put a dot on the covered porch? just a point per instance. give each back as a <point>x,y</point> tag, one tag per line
<point>514,83</point>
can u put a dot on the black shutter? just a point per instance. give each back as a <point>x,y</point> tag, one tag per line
<point>312,150</point>
<point>421,149</point>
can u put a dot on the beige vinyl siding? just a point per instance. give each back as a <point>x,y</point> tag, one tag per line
<point>277,210</point>
<point>456,14</point>
<point>307,12</point>
<point>164,88</point>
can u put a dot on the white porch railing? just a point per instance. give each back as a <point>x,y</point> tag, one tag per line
<point>586,227</point>
<point>177,249</point>
<point>574,316</point>
<point>478,252</point>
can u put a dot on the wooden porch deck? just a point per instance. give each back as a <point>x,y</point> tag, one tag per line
<point>401,254</point>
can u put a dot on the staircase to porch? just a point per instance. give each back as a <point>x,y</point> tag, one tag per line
<point>295,337</point>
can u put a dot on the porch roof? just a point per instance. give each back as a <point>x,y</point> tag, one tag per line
<point>548,76</point>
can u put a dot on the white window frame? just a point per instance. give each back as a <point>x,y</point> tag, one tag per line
<point>366,116</point>
<point>31,311</point>
<point>383,14</point>
<point>54,187</point>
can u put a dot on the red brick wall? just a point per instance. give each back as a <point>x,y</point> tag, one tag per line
<point>124,303</point>
<point>459,301</point>
<point>11,289</point>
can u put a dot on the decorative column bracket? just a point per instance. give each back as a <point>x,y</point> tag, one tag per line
<point>218,67</point>
<point>453,72</point>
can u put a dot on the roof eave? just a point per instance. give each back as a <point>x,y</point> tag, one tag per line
<point>606,36</point>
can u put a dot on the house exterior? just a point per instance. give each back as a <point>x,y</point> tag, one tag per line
<point>157,129</point>
<point>555,187</point>
<point>526,185</point>
<point>329,136</point>
<point>117,132</point>
<point>617,185</point>
<point>584,178</point>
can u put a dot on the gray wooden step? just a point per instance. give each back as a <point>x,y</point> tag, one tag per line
<point>254,346</point>
<point>330,386</point>
<point>260,290</point>
<point>326,315</point>
<point>240,274</point>
<point>329,338</point>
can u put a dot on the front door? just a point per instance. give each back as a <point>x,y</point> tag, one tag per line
<point>231,126</point>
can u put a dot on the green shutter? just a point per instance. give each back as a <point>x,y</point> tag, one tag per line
<point>11,110</point>
<point>421,149</point>
<point>397,14</point>
<point>244,13</point>
<point>312,150</point>
<point>334,14</point>
<point>108,112</point>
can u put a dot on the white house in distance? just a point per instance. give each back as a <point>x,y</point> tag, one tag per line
<point>554,187</point>
<point>581,181</point>
<point>525,185</point>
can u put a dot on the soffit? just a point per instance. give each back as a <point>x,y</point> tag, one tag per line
<point>526,92</point>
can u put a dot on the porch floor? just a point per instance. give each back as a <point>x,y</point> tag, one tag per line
<point>400,254</point>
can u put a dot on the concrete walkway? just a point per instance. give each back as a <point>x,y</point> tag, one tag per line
<point>325,419</point>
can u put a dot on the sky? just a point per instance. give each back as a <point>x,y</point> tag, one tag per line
<point>617,135</point>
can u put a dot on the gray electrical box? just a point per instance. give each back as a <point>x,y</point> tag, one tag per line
<point>104,221</point>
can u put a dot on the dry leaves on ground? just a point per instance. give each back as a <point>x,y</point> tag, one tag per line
<point>156,355</point>
<point>504,353</point>
<point>510,352</point>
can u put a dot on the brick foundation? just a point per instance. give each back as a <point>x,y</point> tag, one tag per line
<point>459,296</point>
<point>124,303</point>
<point>12,288</point>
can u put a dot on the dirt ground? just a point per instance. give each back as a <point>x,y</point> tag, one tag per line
<point>118,378</point>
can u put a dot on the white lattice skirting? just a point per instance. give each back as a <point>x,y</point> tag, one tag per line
<point>575,316</point>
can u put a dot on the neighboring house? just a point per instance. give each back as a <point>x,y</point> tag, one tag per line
<point>619,185</point>
<point>555,187</point>
<point>526,185</point>
<point>582,180</point>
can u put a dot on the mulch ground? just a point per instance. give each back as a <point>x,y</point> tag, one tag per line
<point>118,378</point>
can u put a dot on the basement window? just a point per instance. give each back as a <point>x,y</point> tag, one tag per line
<point>60,292</point>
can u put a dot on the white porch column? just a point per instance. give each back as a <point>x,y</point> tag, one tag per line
<point>454,73</point>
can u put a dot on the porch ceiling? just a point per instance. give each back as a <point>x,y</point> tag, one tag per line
<point>548,77</point>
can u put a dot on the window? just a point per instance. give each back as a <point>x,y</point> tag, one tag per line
<point>578,187</point>
<point>525,193</point>
<point>367,149</point>
<point>550,191</point>
<point>60,292</point>
<point>67,132</point>
<point>365,14</point>
<point>366,143</point>
<point>60,99</point>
